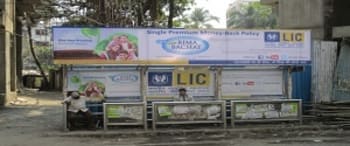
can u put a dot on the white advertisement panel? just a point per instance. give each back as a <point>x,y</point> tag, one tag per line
<point>106,83</point>
<point>180,46</point>
<point>251,82</point>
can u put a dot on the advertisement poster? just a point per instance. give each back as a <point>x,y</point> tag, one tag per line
<point>180,46</point>
<point>106,83</point>
<point>166,83</point>
<point>125,113</point>
<point>246,111</point>
<point>188,112</point>
<point>251,82</point>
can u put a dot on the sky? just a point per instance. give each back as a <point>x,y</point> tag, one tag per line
<point>216,8</point>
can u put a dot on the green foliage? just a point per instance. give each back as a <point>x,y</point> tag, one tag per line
<point>45,57</point>
<point>119,13</point>
<point>199,18</point>
<point>251,15</point>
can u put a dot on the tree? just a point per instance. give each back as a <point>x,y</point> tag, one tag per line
<point>119,13</point>
<point>199,18</point>
<point>42,72</point>
<point>171,13</point>
<point>250,15</point>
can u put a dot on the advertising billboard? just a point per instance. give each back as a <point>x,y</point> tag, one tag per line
<point>198,82</point>
<point>238,83</point>
<point>105,83</point>
<point>180,46</point>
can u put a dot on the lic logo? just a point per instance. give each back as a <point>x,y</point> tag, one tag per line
<point>160,79</point>
<point>272,36</point>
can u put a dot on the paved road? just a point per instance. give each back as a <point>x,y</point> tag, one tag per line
<point>32,124</point>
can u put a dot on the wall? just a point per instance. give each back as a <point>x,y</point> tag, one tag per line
<point>302,85</point>
<point>38,37</point>
<point>300,14</point>
<point>341,90</point>
<point>7,74</point>
<point>323,67</point>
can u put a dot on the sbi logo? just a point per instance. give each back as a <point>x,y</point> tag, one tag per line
<point>283,36</point>
<point>184,45</point>
<point>124,78</point>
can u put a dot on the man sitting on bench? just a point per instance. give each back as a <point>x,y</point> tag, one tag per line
<point>77,106</point>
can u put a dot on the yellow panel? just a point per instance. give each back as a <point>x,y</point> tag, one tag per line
<point>292,36</point>
<point>191,78</point>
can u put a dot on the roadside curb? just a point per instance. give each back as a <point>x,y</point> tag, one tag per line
<point>256,132</point>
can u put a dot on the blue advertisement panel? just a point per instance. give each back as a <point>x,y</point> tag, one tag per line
<point>160,79</point>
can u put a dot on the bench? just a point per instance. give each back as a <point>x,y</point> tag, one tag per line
<point>96,109</point>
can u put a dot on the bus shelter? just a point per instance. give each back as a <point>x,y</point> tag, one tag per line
<point>233,75</point>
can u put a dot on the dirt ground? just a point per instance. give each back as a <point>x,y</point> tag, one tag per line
<point>35,119</point>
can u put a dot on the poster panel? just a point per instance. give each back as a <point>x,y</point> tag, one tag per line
<point>105,83</point>
<point>187,112</point>
<point>166,83</point>
<point>124,113</point>
<point>180,46</point>
<point>251,82</point>
<point>253,111</point>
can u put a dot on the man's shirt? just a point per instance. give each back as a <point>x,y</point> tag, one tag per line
<point>77,105</point>
<point>183,98</point>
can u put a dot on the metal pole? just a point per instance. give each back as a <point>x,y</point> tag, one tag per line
<point>145,115</point>
<point>105,120</point>
<point>233,113</point>
<point>64,93</point>
<point>154,118</point>
<point>223,105</point>
<point>300,112</point>
<point>143,95</point>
